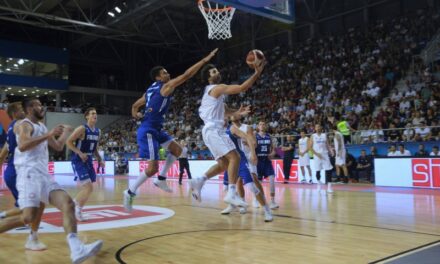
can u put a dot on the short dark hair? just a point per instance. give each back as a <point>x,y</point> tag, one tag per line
<point>86,113</point>
<point>27,102</point>
<point>155,72</point>
<point>205,72</point>
<point>363,150</point>
<point>435,147</point>
<point>13,108</point>
<point>401,145</point>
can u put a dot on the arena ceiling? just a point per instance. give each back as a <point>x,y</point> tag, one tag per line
<point>158,31</point>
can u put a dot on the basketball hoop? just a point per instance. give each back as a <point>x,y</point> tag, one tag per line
<point>218,20</point>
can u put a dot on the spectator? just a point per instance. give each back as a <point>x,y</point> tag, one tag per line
<point>351,166</point>
<point>402,152</point>
<point>364,166</point>
<point>423,131</point>
<point>392,151</point>
<point>421,152</point>
<point>434,152</point>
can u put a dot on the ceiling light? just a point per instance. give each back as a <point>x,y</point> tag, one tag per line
<point>50,91</point>
<point>15,65</point>
<point>33,92</point>
<point>24,89</point>
<point>111,14</point>
<point>20,61</point>
<point>25,94</point>
<point>19,91</point>
<point>38,90</point>
<point>7,69</point>
<point>118,9</point>
<point>12,94</point>
<point>45,93</point>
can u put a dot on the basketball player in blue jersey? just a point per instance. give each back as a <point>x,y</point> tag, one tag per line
<point>237,136</point>
<point>83,142</point>
<point>150,135</point>
<point>15,112</point>
<point>265,150</point>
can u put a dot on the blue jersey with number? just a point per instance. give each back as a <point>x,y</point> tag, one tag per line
<point>88,144</point>
<point>12,142</point>
<point>237,146</point>
<point>156,106</point>
<point>264,143</point>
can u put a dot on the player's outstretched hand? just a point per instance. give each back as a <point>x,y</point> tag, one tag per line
<point>244,110</point>
<point>212,54</point>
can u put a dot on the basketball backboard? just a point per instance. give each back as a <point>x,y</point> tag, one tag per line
<point>281,10</point>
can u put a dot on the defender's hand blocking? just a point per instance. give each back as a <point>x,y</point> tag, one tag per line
<point>212,54</point>
<point>244,110</point>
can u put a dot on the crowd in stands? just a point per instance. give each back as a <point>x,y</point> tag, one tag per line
<point>309,83</point>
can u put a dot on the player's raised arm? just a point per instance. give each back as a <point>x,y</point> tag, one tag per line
<point>169,87</point>
<point>27,142</point>
<point>235,88</point>
<point>58,144</point>
<point>135,107</point>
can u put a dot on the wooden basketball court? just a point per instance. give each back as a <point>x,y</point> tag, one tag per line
<point>357,224</point>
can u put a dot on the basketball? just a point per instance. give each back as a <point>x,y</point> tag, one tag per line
<point>254,57</point>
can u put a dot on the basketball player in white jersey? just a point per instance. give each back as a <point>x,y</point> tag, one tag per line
<point>304,157</point>
<point>34,184</point>
<point>320,147</point>
<point>213,112</point>
<point>340,154</point>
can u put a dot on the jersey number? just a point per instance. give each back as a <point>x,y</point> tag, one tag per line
<point>264,148</point>
<point>92,146</point>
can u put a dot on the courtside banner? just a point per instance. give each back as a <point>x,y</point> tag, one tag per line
<point>198,167</point>
<point>408,172</point>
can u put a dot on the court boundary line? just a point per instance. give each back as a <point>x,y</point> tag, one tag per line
<point>120,250</point>
<point>405,252</point>
<point>334,222</point>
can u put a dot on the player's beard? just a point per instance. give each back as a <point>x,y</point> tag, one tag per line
<point>39,114</point>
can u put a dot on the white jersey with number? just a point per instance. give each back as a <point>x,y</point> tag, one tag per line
<point>37,157</point>
<point>302,143</point>
<point>212,110</point>
<point>303,160</point>
<point>320,143</point>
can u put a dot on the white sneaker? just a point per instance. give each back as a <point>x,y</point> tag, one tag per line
<point>85,251</point>
<point>310,181</point>
<point>128,201</point>
<point>78,214</point>
<point>273,205</point>
<point>228,209</point>
<point>162,185</point>
<point>303,181</point>
<point>243,210</point>
<point>231,198</point>
<point>34,245</point>
<point>329,188</point>
<point>196,188</point>
<point>268,216</point>
<point>255,203</point>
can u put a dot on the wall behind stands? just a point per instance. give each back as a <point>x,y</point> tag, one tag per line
<point>73,119</point>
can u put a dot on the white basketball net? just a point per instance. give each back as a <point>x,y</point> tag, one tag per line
<point>218,20</point>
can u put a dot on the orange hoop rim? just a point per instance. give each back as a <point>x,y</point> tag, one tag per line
<point>227,8</point>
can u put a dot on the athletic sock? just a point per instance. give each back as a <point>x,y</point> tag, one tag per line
<point>168,163</point>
